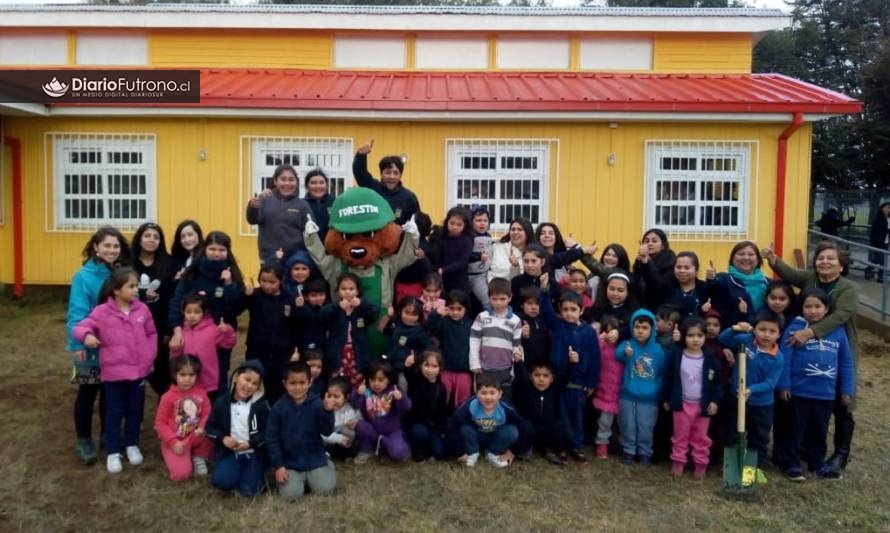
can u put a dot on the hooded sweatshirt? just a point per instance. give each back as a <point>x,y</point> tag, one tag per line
<point>293,435</point>
<point>381,410</point>
<point>763,370</point>
<point>281,221</point>
<point>815,369</point>
<point>290,287</point>
<point>202,340</point>
<point>645,369</point>
<point>219,425</point>
<point>128,341</point>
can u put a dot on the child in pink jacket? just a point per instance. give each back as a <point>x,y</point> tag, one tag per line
<point>180,420</point>
<point>124,332</point>
<point>609,389</point>
<point>201,337</point>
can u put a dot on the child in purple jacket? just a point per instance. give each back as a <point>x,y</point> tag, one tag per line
<point>124,332</point>
<point>382,405</point>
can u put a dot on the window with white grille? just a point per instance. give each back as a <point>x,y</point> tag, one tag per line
<point>333,155</point>
<point>102,179</point>
<point>509,177</point>
<point>698,188</point>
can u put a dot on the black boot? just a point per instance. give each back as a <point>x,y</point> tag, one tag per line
<point>843,437</point>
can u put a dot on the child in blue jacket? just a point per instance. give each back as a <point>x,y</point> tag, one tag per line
<point>765,362</point>
<point>574,350</point>
<point>646,366</point>
<point>293,437</point>
<point>809,381</point>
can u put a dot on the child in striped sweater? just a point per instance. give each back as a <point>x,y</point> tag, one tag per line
<point>496,337</point>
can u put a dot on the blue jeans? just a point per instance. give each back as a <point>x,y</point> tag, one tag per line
<point>637,422</point>
<point>425,442</point>
<point>241,472</point>
<point>495,442</point>
<point>574,400</point>
<point>124,400</point>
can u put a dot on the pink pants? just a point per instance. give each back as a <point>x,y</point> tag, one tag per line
<point>691,430</point>
<point>458,386</point>
<point>180,466</point>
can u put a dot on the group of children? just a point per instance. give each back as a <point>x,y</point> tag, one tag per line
<point>549,355</point>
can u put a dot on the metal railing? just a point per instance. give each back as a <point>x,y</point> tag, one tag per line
<point>865,262</point>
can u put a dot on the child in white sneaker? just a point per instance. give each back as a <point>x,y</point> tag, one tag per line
<point>180,420</point>
<point>124,332</point>
<point>484,421</point>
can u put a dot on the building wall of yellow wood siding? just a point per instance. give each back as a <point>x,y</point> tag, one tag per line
<point>702,53</point>
<point>240,48</point>
<point>588,197</point>
<point>6,251</point>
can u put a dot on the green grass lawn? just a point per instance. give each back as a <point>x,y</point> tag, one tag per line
<point>44,488</point>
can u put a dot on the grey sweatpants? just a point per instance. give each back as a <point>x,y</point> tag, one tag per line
<point>322,480</point>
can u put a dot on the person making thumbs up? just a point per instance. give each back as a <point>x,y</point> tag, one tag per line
<point>739,293</point>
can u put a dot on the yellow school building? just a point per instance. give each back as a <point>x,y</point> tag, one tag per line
<point>605,121</point>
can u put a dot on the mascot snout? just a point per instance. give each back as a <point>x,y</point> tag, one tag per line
<point>358,252</point>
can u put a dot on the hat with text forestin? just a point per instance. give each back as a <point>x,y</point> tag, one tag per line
<point>360,210</point>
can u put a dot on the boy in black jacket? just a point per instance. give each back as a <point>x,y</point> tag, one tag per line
<point>237,425</point>
<point>538,397</point>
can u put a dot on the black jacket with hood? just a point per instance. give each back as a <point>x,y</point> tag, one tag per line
<point>219,425</point>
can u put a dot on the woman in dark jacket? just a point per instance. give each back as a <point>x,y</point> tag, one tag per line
<point>653,269</point>
<point>319,199</point>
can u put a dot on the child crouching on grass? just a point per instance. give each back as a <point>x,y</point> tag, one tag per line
<point>124,331</point>
<point>485,422</point>
<point>341,442</point>
<point>293,436</point>
<point>382,405</point>
<point>237,425</point>
<point>180,421</point>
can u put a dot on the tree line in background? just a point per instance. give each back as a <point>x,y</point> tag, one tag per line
<point>843,45</point>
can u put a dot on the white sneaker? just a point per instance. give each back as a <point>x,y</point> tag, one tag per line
<point>113,463</point>
<point>496,461</point>
<point>134,455</point>
<point>472,459</point>
<point>199,465</point>
<point>361,458</point>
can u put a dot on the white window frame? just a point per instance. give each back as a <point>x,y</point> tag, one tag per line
<point>116,183</point>
<point>712,181</point>
<point>261,154</point>
<point>501,180</point>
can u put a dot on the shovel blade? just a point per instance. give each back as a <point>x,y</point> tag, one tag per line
<point>739,470</point>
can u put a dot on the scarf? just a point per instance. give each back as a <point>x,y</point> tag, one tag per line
<point>755,285</point>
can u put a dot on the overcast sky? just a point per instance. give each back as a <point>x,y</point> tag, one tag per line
<point>780,4</point>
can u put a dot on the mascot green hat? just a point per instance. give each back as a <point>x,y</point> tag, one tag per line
<point>360,210</point>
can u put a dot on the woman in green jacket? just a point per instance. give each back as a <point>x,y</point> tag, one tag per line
<point>830,264</point>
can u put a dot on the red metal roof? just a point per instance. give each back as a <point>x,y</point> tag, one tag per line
<point>511,91</point>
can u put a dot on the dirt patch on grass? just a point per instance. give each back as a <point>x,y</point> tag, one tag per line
<point>43,488</point>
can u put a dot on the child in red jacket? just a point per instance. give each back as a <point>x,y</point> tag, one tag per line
<point>201,337</point>
<point>124,332</point>
<point>180,420</point>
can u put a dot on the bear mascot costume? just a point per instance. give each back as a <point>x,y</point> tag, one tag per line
<point>364,239</point>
